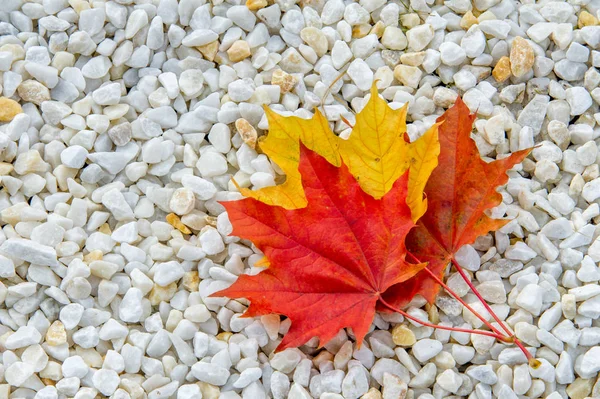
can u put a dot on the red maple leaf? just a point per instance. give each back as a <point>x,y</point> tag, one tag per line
<point>329,262</point>
<point>459,191</point>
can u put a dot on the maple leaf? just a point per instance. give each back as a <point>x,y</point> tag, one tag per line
<point>376,153</point>
<point>459,191</point>
<point>330,261</point>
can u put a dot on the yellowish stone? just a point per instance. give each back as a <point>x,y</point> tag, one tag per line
<point>194,220</point>
<point>434,315</point>
<point>56,334</point>
<point>209,51</point>
<point>5,168</point>
<point>403,336</point>
<point>133,388</point>
<point>412,59</point>
<point>580,388</point>
<point>247,132</point>
<point>62,60</point>
<point>361,30</point>
<point>96,254</point>
<point>284,80</point>
<point>378,29</point>
<point>408,75</point>
<point>105,229</point>
<point>174,221</point>
<point>9,109</point>
<point>586,19</point>
<point>3,339</point>
<point>254,5</point>
<point>210,220</point>
<point>209,391</point>
<point>521,57</point>
<point>411,20</point>
<point>190,281</point>
<point>175,316</point>
<point>47,381</point>
<point>468,20</point>
<point>79,5</point>
<point>90,356</point>
<point>502,70</point>
<point>30,162</point>
<point>159,294</point>
<point>323,356</point>
<point>315,39</point>
<point>239,50</point>
<point>224,336</point>
<point>33,92</point>
<point>17,51</point>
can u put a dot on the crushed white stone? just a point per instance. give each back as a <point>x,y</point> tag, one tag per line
<point>112,234</point>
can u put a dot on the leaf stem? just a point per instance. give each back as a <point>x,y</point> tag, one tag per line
<point>457,297</point>
<point>478,295</point>
<point>491,312</point>
<point>427,324</point>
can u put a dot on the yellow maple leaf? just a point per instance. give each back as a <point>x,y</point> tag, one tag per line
<point>376,153</point>
<point>424,158</point>
<point>282,145</point>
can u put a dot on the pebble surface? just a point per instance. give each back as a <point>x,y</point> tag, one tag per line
<point>122,124</point>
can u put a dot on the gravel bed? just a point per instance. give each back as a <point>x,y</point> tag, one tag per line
<point>122,123</point>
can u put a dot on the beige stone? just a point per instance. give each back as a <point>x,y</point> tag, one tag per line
<point>502,70</point>
<point>17,51</point>
<point>5,168</point>
<point>209,51</point>
<point>159,294</point>
<point>182,201</point>
<point>410,20</point>
<point>521,57</point>
<point>9,109</point>
<point>209,391</point>
<point>247,132</point>
<point>256,4</point>
<point>408,75</point>
<point>468,20</point>
<point>315,39</point>
<point>105,229</point>
<point>62,60</point>
<point>93,256</point>
<point>56,334</point>
<point>30,162</point>
<point>413,59</point>
<point>174,221</point>
<point>403,336</point>
<point>224,336</point>
<point>239,50</point>
<point>586,19</point>
<point>378,29</point>
<point>360,30</point>
<point>193,220</point>
<point>284,80</point>
<point>580,388</point>
<point>33,91</point>
<point>190,281</point>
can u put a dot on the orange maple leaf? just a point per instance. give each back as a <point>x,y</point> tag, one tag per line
<point>459,191</point>
<point>329,262</point>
